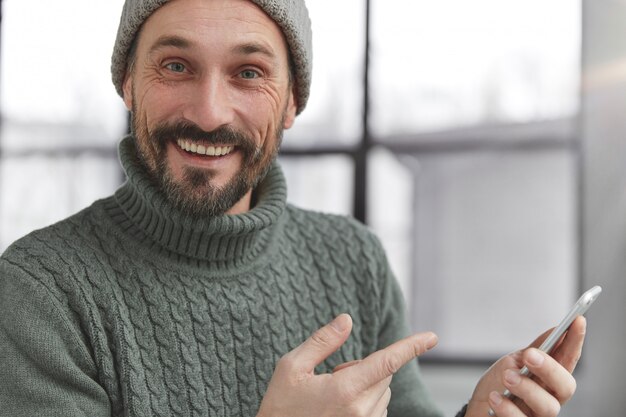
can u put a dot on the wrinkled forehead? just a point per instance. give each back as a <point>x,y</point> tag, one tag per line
<point>214,22</point>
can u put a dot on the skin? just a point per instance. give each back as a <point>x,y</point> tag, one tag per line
<point>223,64</point>
<point>212,64</point>
<point>543,394</point>
<point>361,388</point>
<point>358,388</point>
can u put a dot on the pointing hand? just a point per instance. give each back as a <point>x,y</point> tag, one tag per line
<point>357,389</point>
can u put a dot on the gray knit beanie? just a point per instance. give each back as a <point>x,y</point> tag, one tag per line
<point>291,16</point>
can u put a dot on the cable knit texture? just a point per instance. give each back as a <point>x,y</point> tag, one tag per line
<point>130,308</point>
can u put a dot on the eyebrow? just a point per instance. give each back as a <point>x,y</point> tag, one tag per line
<point>254,48</point>
<point>248,48</point>
<point>165,41</point>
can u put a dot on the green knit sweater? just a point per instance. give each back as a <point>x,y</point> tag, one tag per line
<point>132,308</point>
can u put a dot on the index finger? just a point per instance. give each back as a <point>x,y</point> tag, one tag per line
<point>569,350</point>
<point>386,362</point>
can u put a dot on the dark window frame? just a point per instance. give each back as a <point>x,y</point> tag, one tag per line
<point>561,135</point>
<point>531,136</point>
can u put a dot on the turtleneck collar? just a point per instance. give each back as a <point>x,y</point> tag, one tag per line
<point>225,239</point>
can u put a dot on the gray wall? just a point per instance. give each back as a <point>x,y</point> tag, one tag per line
<point>602,377</point>
<point>601,374</point>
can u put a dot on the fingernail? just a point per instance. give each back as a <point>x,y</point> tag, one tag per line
<point>341,322</point>
<point>495,398</point>
<point>432,341</point>
<point>534,358</point>
<point>511,377</point>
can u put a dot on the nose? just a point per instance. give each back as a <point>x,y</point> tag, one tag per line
<point>210,106</point>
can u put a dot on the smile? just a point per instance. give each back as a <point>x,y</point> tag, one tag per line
<point>209,150</point>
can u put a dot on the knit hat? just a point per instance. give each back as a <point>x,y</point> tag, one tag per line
<point>291,16</point>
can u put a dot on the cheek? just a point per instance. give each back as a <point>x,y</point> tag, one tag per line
<point>273,100</point>
<point>158,105</point>
<point>265,112</point>
<point>149,112</point>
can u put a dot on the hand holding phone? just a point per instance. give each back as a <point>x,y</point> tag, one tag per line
<point>581,306</point>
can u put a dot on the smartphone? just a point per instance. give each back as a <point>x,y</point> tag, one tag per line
<point>581,306</point>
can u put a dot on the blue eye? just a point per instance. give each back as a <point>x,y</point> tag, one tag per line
<point>175,67</point>
<point>249,74</point>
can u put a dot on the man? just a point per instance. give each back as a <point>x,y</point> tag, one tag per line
<point>194,289</point>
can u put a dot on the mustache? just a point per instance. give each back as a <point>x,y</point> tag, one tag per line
<point>224,135</point>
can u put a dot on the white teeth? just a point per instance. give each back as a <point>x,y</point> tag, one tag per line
<point>204,150</point>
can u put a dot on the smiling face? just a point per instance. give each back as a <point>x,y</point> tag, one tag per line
<point>210,93</point>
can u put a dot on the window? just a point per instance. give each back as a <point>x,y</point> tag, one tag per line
<point>450,127</point>
<point>467,159</point>
<point>61,118</point>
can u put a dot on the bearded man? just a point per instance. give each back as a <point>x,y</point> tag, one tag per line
<point>196,290</point>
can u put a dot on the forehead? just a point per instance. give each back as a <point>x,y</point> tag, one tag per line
<point>213,22</point>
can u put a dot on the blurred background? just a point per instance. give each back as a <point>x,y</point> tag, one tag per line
<point>482,141</point>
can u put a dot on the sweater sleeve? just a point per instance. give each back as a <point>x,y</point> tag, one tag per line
<point>409,396</point>
<point>46,369</point>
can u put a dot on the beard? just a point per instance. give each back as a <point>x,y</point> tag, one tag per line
<point>194,193</point>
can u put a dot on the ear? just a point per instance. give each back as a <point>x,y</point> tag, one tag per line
<point>290,111</point>
<point>127,89</point>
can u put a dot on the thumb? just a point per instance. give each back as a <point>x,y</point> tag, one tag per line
<point>322,343</point>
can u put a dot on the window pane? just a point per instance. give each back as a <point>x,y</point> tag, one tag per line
<point>55,64</point>
<point>391,215</point>
<point>38,190</point>
<point>40,136</point>
<point>450,63</point>
<point>489,240</point>
<point>320,183</point>
<point>333,112</point>
<point>496,248</point>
